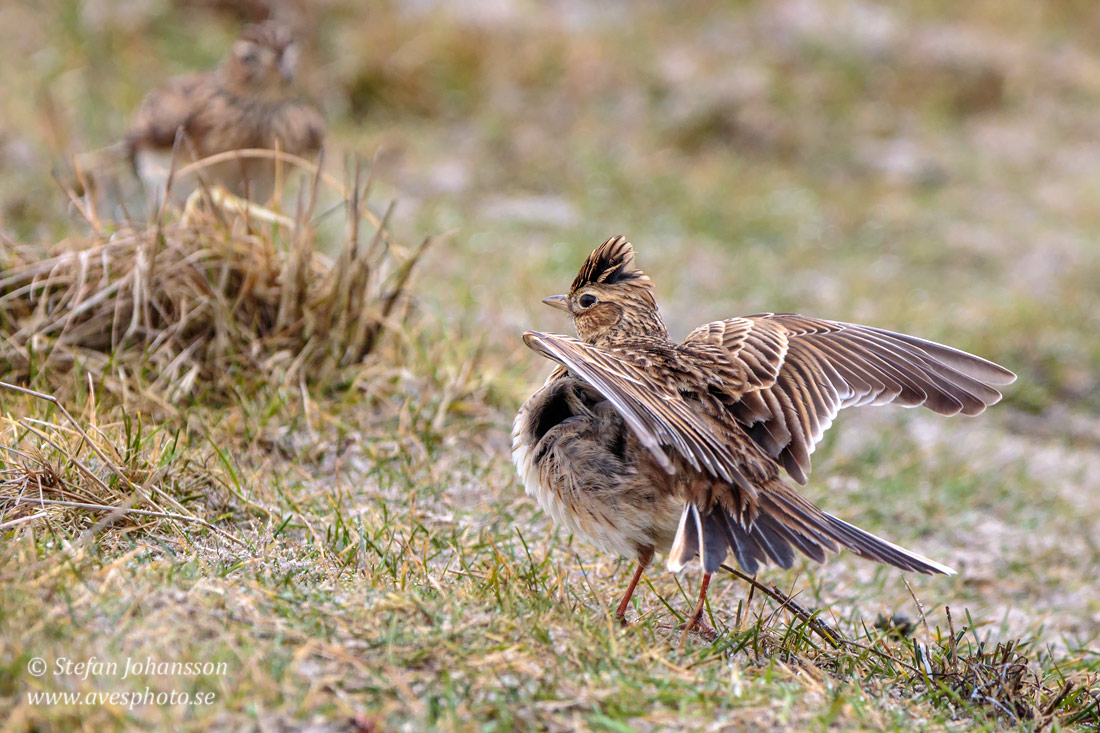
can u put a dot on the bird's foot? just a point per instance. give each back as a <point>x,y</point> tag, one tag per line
<point>699,627</point>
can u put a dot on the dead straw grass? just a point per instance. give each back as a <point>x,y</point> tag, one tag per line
<point>1005,679</point>
<point>1009,682</point>
<point>86,479</point>
<point>189,302</point>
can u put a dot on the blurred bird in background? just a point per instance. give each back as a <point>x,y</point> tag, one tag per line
<point>249,101</point>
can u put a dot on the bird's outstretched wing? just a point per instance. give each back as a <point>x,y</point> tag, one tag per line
<point>798,372</point>
<point>658,417</point>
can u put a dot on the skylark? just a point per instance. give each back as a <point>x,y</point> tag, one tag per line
<point>247,102</point>
<point>643,445</point>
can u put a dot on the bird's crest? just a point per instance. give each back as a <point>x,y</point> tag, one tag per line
<point>611,263</point>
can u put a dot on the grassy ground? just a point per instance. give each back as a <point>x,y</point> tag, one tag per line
<point>352,542</point>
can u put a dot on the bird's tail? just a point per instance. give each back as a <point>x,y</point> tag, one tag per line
<point>783,524</point>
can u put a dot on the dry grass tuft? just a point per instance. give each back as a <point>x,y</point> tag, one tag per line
<point>82,480</point>
<point>189,299</point>
<point>1007,681</point>
<point>1013,681</point>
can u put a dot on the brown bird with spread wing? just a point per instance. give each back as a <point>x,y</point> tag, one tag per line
<point>643,445</point>
<point>247,102</point>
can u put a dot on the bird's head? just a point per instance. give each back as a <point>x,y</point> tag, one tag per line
<point>610,298</point>
<point>263,62</point>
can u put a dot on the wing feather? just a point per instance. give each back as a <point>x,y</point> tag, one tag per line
<point>658,418</point>
<point>798,373</point>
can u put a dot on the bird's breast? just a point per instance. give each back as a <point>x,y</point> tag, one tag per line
<point>578,459</point>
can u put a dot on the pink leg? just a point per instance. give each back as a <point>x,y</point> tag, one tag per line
<point>643,563</point>
<point>693,622</point>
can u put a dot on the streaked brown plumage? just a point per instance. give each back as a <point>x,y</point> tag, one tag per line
<point>643,445</point>
<point>247,102</point>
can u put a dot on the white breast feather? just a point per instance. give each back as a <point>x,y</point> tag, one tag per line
<point>610,538</point>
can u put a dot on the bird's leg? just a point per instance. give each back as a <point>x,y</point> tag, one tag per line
<point>693,623</point>
<point>643,562</point>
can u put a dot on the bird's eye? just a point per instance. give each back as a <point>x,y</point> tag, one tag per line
<point>587,300</point>
<point>247,52</point>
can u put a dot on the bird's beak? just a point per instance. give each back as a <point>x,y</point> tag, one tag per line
<point>560,302</point>
<point>288,64</point>
<point>287,71</point>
